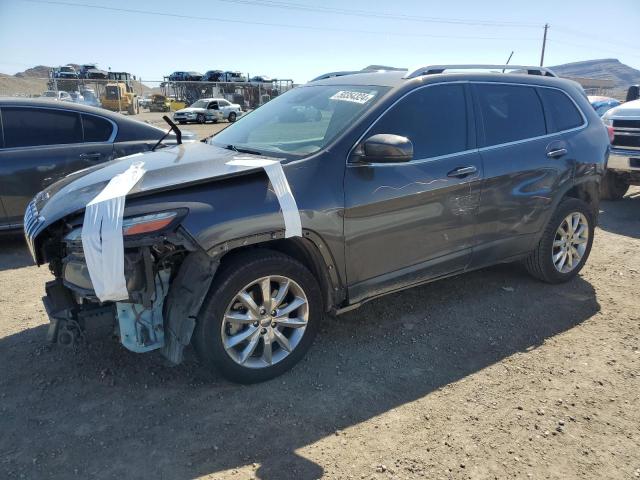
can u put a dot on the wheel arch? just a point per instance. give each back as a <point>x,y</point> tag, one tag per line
<point>309,250</point>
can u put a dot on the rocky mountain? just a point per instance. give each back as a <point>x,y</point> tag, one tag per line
<point>606,68</point>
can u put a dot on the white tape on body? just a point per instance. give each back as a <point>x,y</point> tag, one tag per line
<point>273,169</point>
<point>102,240</point>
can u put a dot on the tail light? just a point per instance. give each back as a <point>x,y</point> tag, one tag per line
<point>611,133</point>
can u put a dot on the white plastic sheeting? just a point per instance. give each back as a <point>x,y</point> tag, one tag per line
<point>102,239</point>
<point>273,169</point>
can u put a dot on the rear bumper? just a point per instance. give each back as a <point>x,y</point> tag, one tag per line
<point>623,159</point>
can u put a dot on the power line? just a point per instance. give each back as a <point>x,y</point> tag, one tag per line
<point>368,13</point>
<point>593,37</point>
<point>269,24</point>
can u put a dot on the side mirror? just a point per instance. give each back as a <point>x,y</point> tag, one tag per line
<point>384,148</point>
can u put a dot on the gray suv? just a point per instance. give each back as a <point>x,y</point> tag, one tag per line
<point>337,192</point>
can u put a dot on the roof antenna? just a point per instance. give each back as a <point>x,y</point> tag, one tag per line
<point>508,60</point>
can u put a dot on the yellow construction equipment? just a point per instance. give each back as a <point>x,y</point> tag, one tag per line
<point>119,95</point>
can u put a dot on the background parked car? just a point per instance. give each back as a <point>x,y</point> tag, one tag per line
<point>77,97</point>
<point>261,79</point>
<point>602,104</point>
<point>59,95</point>
<point>90,97</point>
<point>193,77</point>
<point>67,72</point>
<point>229,76</point>
<point>212,76</point>
<point>207,110</point>
<point>177,76</point>
<point>42,141</point>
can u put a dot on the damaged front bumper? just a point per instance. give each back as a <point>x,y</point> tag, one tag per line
<point>162,305</point>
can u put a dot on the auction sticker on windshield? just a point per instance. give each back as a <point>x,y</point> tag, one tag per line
<point>355,97</point>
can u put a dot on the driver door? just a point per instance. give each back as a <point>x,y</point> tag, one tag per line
<point>212,110</point>
<point>408,222</point>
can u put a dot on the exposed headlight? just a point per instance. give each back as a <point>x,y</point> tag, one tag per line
<point>148,223</point>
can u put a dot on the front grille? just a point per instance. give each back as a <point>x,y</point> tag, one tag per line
<point>626,123</point>
<point>626,141</point>
<point>32,224</point>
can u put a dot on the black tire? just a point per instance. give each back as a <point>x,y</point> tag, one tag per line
<point>233,276</point>
<point>181,122</point>
<point>613,186</point>
<point>201,118</point>
<point>540,263</point>
<point>232,117</point>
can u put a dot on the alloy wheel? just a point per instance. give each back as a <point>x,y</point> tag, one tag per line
<point>570,242</point>
<point>265,322</point>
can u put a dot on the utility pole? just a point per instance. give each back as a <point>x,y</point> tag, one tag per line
<point>544,43</point>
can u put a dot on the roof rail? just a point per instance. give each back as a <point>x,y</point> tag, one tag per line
<point>369,69</point>
<point>434,69</point>
<point>336,74</point>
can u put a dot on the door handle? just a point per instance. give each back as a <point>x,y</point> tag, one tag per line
<point>92,157</point>
<point>557,153</point>
<point>462,171</point>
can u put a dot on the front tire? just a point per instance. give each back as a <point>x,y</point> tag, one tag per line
<point>565,243</point>
<point>200,118</point>
<point>232,117</point>
<point>613,186</point>
<point>259,318</point>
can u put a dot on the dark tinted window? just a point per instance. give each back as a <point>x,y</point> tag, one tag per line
<point>96,129</point>
<point>510,113</point>
<point>433,118</point>
<point>562,112</point>
<point>24,127</point>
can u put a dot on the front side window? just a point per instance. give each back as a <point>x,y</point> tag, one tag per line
<point>27,127</point>
<point>562,111</point>
<point>510,113</point>
<point>433,118</point>
<point>301,121</point>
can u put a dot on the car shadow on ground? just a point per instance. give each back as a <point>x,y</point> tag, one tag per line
<point>13,252</point>
<point>102,412</point>
<point>623,216</point>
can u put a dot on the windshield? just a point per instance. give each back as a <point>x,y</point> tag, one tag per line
<point>302,121</point>
<point>49,94</point>
<point>200,104</point>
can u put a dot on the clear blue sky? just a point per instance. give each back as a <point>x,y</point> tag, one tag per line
<point>291,39</point>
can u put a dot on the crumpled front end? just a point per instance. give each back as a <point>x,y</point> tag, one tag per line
<point>153,260</point>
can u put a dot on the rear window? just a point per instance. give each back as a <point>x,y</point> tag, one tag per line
<point>28,127</point>
<point>510,113</point>
<point>96,129</point>
<point>561,111</point>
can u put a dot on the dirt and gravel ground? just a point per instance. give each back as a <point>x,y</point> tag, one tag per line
<point>487,375</point>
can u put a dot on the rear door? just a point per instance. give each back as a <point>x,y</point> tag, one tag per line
<point>408,222</point>
<point>525,163</point>
<point>42,145</point>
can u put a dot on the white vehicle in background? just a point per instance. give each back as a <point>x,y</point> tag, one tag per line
<point>59,95</point>
<point>623,168</point>
<point>209,109</point>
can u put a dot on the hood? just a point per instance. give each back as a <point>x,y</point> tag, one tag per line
<point>628,109</point>
<point>191,110</point>
<point>165,169</point>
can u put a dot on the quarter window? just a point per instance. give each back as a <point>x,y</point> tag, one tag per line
<point>96,129</point>
<point>510,113</point>
<point>27,127</point>
<point>433,118</point>
<point>562,112</point>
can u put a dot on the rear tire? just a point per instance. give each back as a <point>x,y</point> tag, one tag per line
<point>613,186</point>
<point>218,329</point>
<point>544,263</point>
